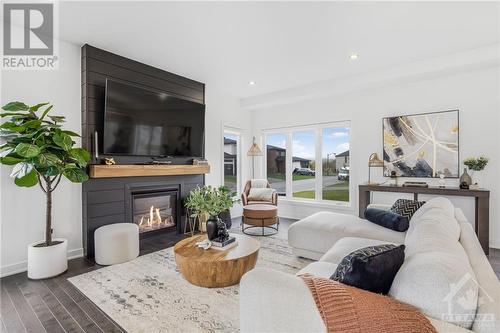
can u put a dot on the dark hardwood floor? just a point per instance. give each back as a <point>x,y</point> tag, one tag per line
<point>55,305</point>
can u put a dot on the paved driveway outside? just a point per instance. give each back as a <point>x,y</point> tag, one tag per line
<point>303,185</point>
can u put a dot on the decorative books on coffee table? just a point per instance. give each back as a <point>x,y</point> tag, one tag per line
<point>217,242</point>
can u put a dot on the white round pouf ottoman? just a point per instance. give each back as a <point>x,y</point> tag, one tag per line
<point>116,243</point>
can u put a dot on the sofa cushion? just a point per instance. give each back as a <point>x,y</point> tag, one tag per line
<point>319,269</point>
<point>488,309</point>
<point>441,285</point>
<point>317,233</point>
<point>406,207</point>
<point>260,194</point>
<point>440,206</point>
<point>371,268</point>
<point>437,277</point>
<point>347,245</point>
<point>387,219</point>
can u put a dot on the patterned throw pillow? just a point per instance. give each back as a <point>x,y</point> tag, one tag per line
<point>406,207</point>
<point>372,268</point>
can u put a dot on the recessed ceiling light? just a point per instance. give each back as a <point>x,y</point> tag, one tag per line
<point>354,56</point>
<point>252,83</point>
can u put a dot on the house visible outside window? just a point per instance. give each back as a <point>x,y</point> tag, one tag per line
<point>276,161</point>
<point>310,162</point>
<point>232,160</point>
<point>335,159</point>
<point>303,164</point>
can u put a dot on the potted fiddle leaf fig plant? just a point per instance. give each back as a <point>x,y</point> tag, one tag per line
<point>41,153</point>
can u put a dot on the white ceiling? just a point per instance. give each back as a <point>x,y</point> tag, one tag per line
<point>278,44</point>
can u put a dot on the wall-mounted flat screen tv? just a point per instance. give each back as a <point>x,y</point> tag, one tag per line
<point>143,122</point>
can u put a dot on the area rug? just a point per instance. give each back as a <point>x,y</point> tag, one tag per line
<point>148,294</point>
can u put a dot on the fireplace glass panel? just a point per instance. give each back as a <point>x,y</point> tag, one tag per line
<point>153,211</point>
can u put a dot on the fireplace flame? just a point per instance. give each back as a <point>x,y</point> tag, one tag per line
<point>154,221</point>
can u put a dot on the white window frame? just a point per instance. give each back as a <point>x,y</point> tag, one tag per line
<point>318,130</point>
<point>238,133</point>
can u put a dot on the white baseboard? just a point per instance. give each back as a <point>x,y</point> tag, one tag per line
<point>494,244</point>
<point>22,266</point>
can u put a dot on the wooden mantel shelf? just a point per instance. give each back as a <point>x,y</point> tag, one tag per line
<point>107,171</point>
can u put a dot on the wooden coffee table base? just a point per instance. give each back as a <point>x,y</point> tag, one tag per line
<point>214,268</point>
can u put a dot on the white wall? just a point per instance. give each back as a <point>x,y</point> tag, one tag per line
<point>475,93</point>
<point>22,210</point>
<point>224,111</point>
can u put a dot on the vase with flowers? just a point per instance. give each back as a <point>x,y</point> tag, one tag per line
<point>475,164</point>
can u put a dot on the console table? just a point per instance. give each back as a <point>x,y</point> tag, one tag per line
<point>481,196</point>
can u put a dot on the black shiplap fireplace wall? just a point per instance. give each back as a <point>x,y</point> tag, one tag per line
<point>105,201</point>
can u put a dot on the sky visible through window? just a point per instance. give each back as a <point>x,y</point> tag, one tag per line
<point>335,140</point>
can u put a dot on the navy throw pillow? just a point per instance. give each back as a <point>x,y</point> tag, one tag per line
<point>387,219</point>
<point>372,268</point>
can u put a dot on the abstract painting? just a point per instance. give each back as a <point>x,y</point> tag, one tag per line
<point>422,145</point>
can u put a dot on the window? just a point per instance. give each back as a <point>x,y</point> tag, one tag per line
<point>303,162</point>
<point>310,162</point>
<point>276,162</point>
<point>335,160</point>
<point>231,160</point>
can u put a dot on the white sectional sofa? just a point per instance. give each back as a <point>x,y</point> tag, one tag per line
<point>445,274</point>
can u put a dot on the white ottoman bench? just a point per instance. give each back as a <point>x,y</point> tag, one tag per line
<point>116,243</point>
<point>314,235</point>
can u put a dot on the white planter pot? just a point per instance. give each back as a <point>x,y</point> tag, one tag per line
<point>48,261</point>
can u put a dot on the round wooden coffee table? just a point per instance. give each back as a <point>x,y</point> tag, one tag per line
<point>215,268</point>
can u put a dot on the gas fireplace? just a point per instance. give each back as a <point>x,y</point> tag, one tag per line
<point>155,211</point>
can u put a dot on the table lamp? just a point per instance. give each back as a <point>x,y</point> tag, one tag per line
<point>374,162</point>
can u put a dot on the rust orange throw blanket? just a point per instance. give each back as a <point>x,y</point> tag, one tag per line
<point>346,309</point>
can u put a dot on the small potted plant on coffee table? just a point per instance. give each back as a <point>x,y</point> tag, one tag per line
<point>208,204</point>
<point>41,152</point>
<point>228,199</point>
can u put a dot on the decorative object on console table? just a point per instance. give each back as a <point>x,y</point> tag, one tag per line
<point>394,177</point>
<point>415,146</point>
<point>374,162</point>
<point>415,184</point>
<point>41,153</point>
<point>476,164</point>
<point>442,181</point>
<point>254,151</point>
<point>482,203</point>
<point>465,180</point>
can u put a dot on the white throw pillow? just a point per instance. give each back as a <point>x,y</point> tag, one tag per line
<point>260,194</point>
<point>258,183</point>
<point>441,285</point>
